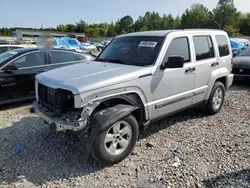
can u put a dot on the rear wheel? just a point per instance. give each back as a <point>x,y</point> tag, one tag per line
<point>116,143</point>
<point>216,98</point>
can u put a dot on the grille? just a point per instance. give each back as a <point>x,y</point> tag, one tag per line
<point>243,72</point>
<point>55,99</point>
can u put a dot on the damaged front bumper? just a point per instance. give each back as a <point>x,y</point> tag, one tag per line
<point>57,123</point>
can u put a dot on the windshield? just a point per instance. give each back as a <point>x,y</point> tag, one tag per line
<point>246,52</point>
<point>6,55</point>
<point>135,50</point>
<point>72,42</point>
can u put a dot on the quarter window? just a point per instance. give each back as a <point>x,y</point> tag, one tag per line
<point>203,47</point>
<point>179,47</point>
<point>222,45</point>
<point>30,60</point>
<point>62,56</point>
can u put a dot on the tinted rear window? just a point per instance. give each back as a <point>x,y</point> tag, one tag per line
<point>222,45</point>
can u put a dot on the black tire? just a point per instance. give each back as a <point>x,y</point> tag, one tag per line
<point>209,108</point>
<point>99,152</point>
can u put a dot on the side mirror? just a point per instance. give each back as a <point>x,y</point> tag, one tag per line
<point>10,68</point>
<point>173,62</point>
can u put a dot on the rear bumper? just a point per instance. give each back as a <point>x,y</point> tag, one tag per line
<point>55,122</point>
<point>230,80</point>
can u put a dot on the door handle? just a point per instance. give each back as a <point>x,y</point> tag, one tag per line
<point>190,69</point>
<point>214,64</point>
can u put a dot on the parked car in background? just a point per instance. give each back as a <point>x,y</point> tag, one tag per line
<point>67,42</point>
<point>99,46</point>
<point>241,65</point>
<point>105,43</point>
<point>19,67</point>
<point>3,41</point>
<point>8,47</point>
<point>88,47</point>
<point>237,47</point>
<point>243,41</point>
<point>137,79</point>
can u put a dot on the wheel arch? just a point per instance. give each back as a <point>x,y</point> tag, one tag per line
<point>132,99</point>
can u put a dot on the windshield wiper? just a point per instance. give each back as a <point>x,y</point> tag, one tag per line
<point>114,61</point>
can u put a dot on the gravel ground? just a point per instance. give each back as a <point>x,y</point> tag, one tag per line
<point>187,150</point>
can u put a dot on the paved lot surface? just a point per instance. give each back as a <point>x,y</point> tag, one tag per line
<point>187,150</point>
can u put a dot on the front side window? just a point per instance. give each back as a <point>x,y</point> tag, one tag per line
<point>132,50</point>
<point>7,55</point>
<point>30,60</point>
<point>203,47</point>
<point>62,56</point>
<point>222,45</point>
<point>179,47</point>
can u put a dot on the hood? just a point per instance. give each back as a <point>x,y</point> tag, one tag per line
<point>241,62</point>
<point>84,77</point>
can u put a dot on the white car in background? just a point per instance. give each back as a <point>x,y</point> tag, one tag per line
<point>8,47</point>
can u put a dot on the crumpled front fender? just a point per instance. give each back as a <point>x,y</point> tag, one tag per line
<point>100,122</point>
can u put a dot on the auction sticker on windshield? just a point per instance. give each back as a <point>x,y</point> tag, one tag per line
<point>150,44</point>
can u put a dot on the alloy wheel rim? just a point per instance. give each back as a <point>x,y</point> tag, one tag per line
<point>217,98</point>
<point>118,138</point>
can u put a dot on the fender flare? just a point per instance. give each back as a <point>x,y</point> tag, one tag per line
<point>216,74</point>
<point>100,122</point>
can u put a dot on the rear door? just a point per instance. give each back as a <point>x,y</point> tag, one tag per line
<point>205,64</point>
<point>60,58</point>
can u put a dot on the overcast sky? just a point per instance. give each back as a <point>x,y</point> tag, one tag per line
<point>31,13</point>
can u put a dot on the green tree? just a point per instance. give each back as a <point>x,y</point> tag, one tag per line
<point>226,13</point>
<point>197,16</point>
<point>232,31</point>
<point>125,24</point>
<point>244,25</point>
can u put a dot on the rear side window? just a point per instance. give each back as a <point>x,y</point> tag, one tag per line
<point>179,47</point>
<point>62,56</point>
<point>203,47</point>
<point>3,49</point>
<point>222,45</point>
<point>80,57</point>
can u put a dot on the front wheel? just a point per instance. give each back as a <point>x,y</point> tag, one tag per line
<point>216,98</point>
<point>116,143</point>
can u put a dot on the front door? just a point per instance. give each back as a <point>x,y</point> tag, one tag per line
<point>172,89</point>
<point>28,66</point>
<point>7,86</point>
